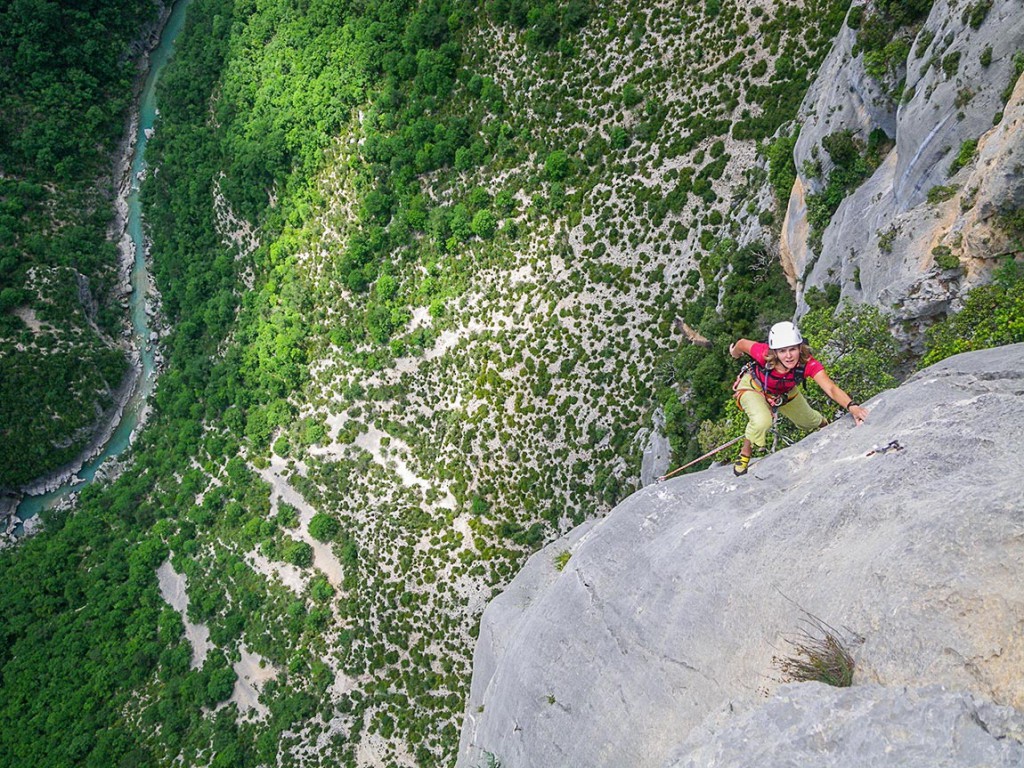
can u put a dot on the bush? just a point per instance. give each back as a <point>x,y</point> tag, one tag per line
<point>939,194</point>
<point>557,165</point>
<point>963,157</point>
<point>220,685</point>
<point>945,258</point>
<point>287,515</point>
<point>782,167</point>
<point>297,553</point>
<point>1015,73</point>
<point>882,34</point>
<point>975,13</point>
<point>323,527</point>
<point>951,63</point>
<point>484,224</point>
<point>993,315</point>
<point>854,162</point>
<point>631,95</point>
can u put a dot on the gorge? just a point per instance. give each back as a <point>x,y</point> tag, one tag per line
<point>434,278</point>
<point>128,414</point>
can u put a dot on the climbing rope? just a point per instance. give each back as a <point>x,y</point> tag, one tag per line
<point>776,435</point>
<point>706,455</point>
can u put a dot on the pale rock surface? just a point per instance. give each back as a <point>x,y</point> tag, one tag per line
<point>174,590</point>
<point>657,453</point>
<point>842,97</point>
<point>670,610</point>
<point>811,724</point>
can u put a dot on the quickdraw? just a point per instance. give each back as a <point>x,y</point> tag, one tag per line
<point>891,447</point>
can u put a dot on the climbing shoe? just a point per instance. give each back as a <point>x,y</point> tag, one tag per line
<point>740,467</point>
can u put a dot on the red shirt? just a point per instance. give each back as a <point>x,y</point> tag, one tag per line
<point>780,383</point>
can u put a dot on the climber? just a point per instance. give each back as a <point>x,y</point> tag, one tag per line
<point>770,383</point>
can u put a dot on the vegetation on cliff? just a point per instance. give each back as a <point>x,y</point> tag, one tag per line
<point>992,316</point>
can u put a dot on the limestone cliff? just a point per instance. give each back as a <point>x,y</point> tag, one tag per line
<point>653,646</point>
<point>888,244</point>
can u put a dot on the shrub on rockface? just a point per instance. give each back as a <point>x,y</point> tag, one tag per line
<point>817,653</point>
<point>781,167</point>
<point>853,162</point>
<point>993,315</point>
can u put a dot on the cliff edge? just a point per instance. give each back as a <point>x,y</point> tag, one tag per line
<point>654,645</point>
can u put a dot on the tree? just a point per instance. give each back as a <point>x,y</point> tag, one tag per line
<point>323,527</point>
<point>557,165</point>
<point>781,166</point>
<point>855,345</point>
<point>992,315</point>
<point>220,685</point>
<point>484,224</point>
<point>297,553</point>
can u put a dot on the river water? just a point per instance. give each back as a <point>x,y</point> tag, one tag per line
<point>136,405</point>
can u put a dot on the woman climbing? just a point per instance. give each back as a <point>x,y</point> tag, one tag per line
<point>771,382</point>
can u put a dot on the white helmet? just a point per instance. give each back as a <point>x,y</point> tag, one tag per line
<point>784,335</point>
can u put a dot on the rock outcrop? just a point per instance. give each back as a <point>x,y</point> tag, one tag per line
<point>887,244</point>
<point>654,646</point>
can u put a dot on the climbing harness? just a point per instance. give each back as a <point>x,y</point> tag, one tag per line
<point>776,434</point>
<point>759,379</point>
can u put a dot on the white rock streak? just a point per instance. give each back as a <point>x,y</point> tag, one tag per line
<point>173,586</point>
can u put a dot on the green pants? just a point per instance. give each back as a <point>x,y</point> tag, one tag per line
<point>759,413</point>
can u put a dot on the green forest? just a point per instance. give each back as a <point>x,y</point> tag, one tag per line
<point>420,264</point>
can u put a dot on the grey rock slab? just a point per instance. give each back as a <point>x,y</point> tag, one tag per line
<point>812,724</point>
<point>506,610</point>
<point>936,120</point>
<point>672,607</point>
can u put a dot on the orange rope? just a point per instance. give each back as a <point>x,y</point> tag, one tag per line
<point>706,455</point>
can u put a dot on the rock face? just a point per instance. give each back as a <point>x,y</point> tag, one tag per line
<point>812,724</point>
<point>881,244</point>
<point>654,646</point>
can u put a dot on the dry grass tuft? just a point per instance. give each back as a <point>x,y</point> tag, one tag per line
<point>817,652</point>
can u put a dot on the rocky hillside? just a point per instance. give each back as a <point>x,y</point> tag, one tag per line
<point>655,644</point>
<point>939,208</point>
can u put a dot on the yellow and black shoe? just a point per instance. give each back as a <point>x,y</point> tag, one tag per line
<point>740,467</point>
